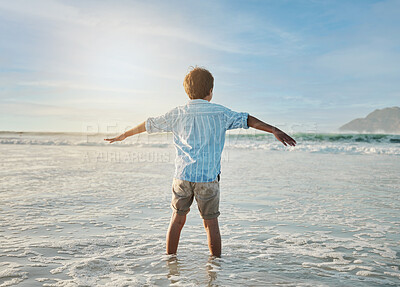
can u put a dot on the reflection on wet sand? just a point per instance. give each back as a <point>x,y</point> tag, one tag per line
<point>173,269</point>
<point>212,267</point>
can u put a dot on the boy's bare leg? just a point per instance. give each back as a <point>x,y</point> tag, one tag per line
<point>213,235</point>
<point>174,232</point>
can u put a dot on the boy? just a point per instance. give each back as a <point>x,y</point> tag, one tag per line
<point>199,135</point>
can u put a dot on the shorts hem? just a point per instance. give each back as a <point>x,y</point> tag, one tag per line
<point>211,216</point>
<point>180,212</point>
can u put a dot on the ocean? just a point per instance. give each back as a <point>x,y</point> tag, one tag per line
<point>77,211</point>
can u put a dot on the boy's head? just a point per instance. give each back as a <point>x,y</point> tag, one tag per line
<point>198,83</point>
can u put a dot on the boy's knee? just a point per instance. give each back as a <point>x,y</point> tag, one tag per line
<point>179,219</point>
<point>210,223</point>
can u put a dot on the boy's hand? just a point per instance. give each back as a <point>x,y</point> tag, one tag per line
<point>283,138</point>
<point>116,139</point>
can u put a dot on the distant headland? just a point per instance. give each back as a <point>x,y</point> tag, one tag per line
<point>379,121</point>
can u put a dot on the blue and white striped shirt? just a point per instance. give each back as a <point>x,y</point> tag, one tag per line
<point>199,136</point>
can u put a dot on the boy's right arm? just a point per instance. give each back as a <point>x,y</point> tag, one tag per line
<point>136,130</point>
<point>280,135</point>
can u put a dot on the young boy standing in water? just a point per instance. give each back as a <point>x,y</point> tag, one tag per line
<point>199,135</point>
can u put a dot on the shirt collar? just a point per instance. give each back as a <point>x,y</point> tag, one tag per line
<point>197,101</point>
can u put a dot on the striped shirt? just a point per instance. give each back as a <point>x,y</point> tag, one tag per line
<point>199,136</point>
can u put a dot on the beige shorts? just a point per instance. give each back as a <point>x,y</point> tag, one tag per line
<point>206,194</point>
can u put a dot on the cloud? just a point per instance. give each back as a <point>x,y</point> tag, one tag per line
<point>35,110</point>
<point>65,85</point>
<point>48,10</point>
<point>42,110</point>
<point>361,61</point>
<point>159,19</point>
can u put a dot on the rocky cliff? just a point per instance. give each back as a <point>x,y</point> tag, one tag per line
<point>379,121</point>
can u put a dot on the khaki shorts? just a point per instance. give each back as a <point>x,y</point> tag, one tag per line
<point>206,194</point>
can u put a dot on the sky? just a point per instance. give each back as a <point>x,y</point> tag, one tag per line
<point>304,66</point>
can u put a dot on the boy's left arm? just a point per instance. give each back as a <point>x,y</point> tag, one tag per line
<point>280,135</point>
<point>136,130</point>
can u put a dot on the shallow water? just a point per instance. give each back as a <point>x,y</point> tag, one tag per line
<point>97,216</point>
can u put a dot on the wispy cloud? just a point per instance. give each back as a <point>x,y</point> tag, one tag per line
<point>74,114</point>
<point>74,86</point>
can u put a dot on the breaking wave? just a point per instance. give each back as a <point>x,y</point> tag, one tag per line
<point>308,142</point>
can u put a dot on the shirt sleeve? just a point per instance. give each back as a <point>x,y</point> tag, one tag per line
<point>163,123</point>
<point>235,120</point>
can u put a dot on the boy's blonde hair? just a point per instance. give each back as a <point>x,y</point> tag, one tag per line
<point>198,83</point>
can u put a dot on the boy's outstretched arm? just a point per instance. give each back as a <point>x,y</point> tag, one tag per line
<point>280,135</point>
<point>136,130</point>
